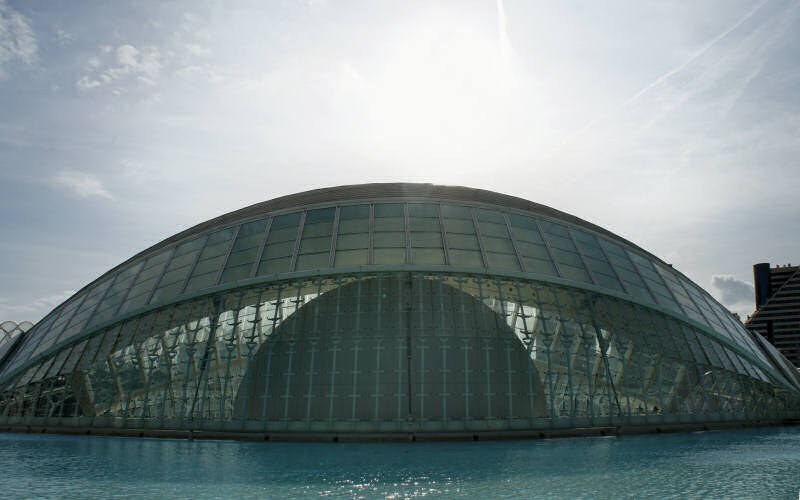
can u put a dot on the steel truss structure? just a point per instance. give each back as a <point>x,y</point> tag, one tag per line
<point>386,309</point>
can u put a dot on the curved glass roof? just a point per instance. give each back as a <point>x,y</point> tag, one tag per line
<point>349,228</point>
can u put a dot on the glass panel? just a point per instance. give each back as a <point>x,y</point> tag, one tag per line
<point>353,219</point>
<point>426,234</point>
<point>394,239</point>
<point>654,282</point>
<point>565,253</point>
<point>313,261</point>
<point>389,238</point>
<point>277,256</point>
<point>539,266</point>
<point>533,250</point>
<point>351,258</point>
<point>465,258</point>
<point>498,245</point>
<point>390,224</point>
<point>389,256</point>
<point>462,241</point>
<point>172,281</point>
<point>419,239</point>
<point>315,246</point>
<point>461,226</point>
<point>456,212</point>
<point>274,266</point>
<point>389,210</point>
<point>432,256</point>
<point>119,289</point>
<point>631,280</point>
<point>531,245</point>
<point>354,212</point>
<point>352,241</point>
<point>493,229</point>
<point>423,210</point>
<point>502,261</point>
<point>420,224</point>
<point>490,216</point>
<point>212,258</point>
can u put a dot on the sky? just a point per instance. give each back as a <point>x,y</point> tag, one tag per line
<point>673,124</point>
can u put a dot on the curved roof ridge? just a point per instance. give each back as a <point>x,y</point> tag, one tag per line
<point>381,190</point>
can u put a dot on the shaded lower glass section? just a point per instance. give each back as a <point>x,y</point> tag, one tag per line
<point>388,352</point>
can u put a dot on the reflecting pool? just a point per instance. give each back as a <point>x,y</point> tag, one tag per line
<point>760,464</point>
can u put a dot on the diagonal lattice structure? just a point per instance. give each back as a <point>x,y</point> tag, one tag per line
<point>391,310</point>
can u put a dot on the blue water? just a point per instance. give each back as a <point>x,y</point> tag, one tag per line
<point>758,464</point>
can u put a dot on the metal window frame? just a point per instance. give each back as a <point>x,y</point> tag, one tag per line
<point>371,229</point>
<point>260,252</point>
<point>612,266</point>
<point>548,248</point>
<point>157,281</point>
<point>580,254</point>
<point>514,243</point>
<point>298,238</point>
<point>194,265</point>
<point>443,229</point>
<point>227,255</point>
<point>663,282</point>
<point>334,237</point>
<point>407,225</point>
<point>478,234</point>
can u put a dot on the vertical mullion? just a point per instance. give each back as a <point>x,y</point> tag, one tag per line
<point>580,254</point>
<point>672,294</point>
<point>612,266</point>
<point>444,237</point>
<point>227,255</point>
<point>99,302</point>
<point>260,252</point>
<point>194,264</point>
<point>480,238</point>
<point>155,283</point>
<point>653,293</point>
<point>297,240</point>
<point>71,317</point>
<point>700,309</point>
<point>549,250</point>
<point>407,225</point>
<point>370,251</point>
<point>334,237</point>
<point>514,243</point>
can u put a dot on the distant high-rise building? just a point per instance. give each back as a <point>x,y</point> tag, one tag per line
<point>777,315</point>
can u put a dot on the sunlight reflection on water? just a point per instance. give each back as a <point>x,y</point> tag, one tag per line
<point>737,464</point>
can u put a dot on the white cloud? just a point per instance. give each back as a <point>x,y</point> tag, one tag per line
<point>17,39</point>
<point>31,310</point>
<point>81,184</point>
<point>197,49</point>
<point>126,55</point>
<point>86,83</point>
<point>125,64</point>
<point>732,292</point>
<point>64,37</point>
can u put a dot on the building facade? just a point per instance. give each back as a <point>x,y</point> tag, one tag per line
<point>391,309</point>
<point>777,314</point>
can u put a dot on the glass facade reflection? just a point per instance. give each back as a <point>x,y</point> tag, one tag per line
<point>354,310</point>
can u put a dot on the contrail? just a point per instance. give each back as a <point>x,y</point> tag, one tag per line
<point>502,29</point>
<point>661,79</point>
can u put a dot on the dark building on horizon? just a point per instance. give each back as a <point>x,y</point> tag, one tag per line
<point>777,315</point>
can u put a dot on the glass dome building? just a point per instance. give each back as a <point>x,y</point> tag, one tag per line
<point>385,310</point>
